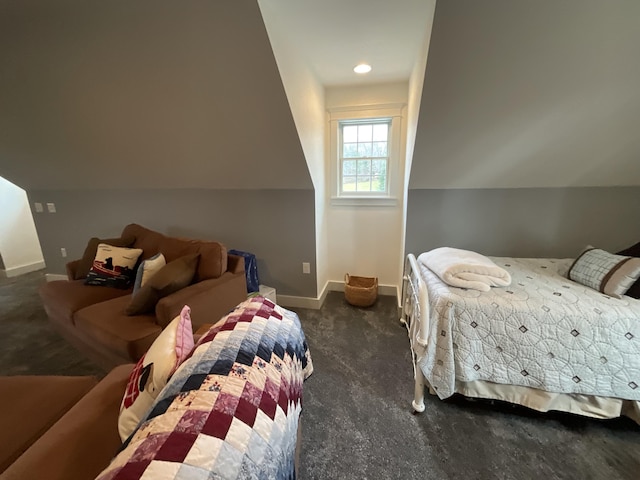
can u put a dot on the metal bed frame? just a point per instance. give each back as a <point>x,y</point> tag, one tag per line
<point>415,317</point>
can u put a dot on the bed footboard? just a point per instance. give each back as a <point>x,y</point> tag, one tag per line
<point>418,394</point>
<point>415,317</point>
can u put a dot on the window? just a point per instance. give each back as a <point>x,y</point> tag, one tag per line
<point>364,157</point>
<point>366,154</point>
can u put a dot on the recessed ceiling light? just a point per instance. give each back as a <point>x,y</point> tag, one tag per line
<point>362,68</point>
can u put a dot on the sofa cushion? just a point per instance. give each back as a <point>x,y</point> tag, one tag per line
<point>108,324</point>
<point>86,262</point>
<point>83,441</point>
<point>113,266</point>
<point>147,269</point>
<point>147,240</point>
<point>172,277</point>
<point>213,255</point>
<point>64,298</point>
<point>213,260</point>
<point>151,373</point>
<point>174,248</point>
<point>25,417</point>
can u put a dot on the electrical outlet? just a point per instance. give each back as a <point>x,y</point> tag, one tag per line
<point>306,267</point>
<point>51,207</point>
<point>63,252</point>
<point>38,207</point>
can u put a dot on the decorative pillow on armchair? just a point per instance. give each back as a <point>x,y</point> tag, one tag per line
<point>152,371</point>
<point>86,262</point>
<point>172,277</point>
<point>113,266</point>
<point>147,269</point>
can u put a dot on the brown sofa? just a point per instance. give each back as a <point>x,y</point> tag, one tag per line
<point>70,436</point>
<point>93,318</point>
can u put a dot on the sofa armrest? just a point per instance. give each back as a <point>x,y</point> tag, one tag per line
<point>235,263</point>
<point>209,300</point>
<point>83,442</point>
<point>72,268</point>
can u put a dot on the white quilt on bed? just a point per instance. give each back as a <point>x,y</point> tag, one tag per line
<point>542,331</point>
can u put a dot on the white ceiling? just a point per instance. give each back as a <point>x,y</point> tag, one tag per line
<point>336,35</point>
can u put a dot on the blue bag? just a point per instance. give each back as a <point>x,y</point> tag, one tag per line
<point>250,270</point>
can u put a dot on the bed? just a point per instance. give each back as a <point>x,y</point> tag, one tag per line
<point>544,342</point>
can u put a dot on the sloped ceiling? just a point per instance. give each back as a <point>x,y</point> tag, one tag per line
<point>144,94</point>
<point>530,94</point>
<point>336,35</point>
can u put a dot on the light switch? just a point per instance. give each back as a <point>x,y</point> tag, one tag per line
<point>51,207</point>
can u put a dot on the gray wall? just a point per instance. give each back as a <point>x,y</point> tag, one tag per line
<point>525,222</point>
<point>526,106</point>
<point>276,225</point>
<point>169,114</point>
<point>522,93</point>
<point>143,94</point>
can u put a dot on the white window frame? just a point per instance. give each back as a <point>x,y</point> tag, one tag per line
<point>388,112</point>
<point>341,158</point>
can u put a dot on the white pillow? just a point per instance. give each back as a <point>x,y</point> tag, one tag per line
<point>113,266</point>
<point>153,370</point>
<point>147,269</point>
<point>605,272</point>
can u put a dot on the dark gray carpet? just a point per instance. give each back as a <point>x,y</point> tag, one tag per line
<point>357,421</point>
<point>28,343</point>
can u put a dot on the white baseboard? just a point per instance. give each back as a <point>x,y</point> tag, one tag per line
<point>330,286</point>
<point>303,302</point>
<point>291,301</point>
<point>51,277</point>
<point>22,269</point>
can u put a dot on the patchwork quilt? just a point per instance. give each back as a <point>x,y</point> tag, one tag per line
<point>231,410</point>
<point>543,331</point>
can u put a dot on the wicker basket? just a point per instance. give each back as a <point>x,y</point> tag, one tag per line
<point>360,291</point>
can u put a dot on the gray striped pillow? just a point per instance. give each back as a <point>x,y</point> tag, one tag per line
<point>606,272</point>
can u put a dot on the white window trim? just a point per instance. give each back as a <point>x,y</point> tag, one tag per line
<point>393,111</point>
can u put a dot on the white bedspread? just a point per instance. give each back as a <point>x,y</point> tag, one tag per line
<point>544,331</point>
<point>465,269</point>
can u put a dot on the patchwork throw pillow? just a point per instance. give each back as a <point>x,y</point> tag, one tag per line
<point>606,272</point>
<point>172,277</point>
<point>633,251</point>
<point>86,262</point>
<point>153,370</point>
<point>147,269</point>
<point>113,266</point>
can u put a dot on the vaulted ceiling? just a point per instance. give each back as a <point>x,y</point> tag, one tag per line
<point>144,94</point>
<point>158,94</point>
<point>336,35</point>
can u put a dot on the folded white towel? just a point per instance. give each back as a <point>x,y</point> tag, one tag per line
<point>465,269</point>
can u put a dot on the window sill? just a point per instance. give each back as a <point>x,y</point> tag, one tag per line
<point>364,201</point>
